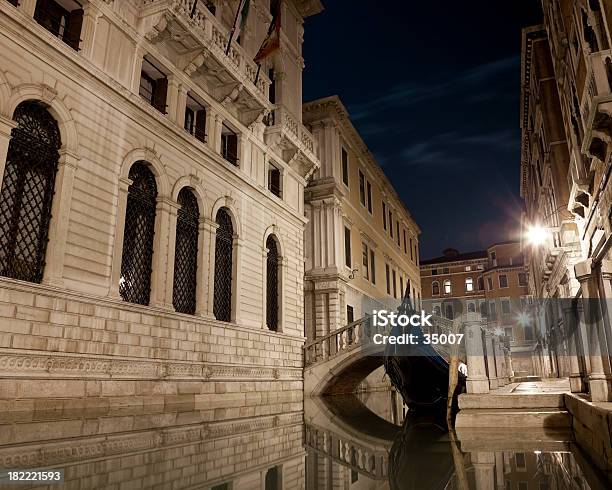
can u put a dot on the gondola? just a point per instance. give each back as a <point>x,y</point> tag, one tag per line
<point>417,371</point>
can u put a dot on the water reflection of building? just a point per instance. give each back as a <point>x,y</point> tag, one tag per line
<point>164,448</point>
<point>492,282</point>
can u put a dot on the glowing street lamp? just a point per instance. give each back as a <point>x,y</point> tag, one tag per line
<point>523,319</point>
<point>537,235</point>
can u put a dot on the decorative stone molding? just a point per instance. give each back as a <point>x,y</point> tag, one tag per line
<point>88,448</point>
<point>79,367</point>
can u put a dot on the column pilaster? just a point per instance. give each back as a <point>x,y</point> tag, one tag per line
<point>237,280</point>
<point>206,242</point>
<point>6,126</point>
<point>210,229</point>
<point>477,381</point>
<point>58,229</point>
<point>113,290</point>
<point>91,16</point>
<point>493,381</point>
<point>160,266</point>
<point>599,384</point>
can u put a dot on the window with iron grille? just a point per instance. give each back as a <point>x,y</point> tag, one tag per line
<point>186,253</point>
<point>27,192</point>
<point>135,282</point>
<point>272,284</point>
<point>224,251</point>
<point>64,20</point>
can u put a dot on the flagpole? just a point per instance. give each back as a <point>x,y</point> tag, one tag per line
<point>231,37</point>
<point>193,9</point>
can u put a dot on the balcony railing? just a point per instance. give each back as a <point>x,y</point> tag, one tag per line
<point>205,30</point>
<point>282,123</point>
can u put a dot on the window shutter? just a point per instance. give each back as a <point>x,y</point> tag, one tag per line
<point>159,94</point>
<point>200,125</point>
<point>72,36</point>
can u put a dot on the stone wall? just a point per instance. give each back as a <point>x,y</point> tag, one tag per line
<point>62,349</point>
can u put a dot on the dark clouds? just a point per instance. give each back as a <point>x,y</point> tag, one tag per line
<point>433,87</point>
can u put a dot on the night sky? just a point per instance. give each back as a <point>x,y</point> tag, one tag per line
<point>433,88</point>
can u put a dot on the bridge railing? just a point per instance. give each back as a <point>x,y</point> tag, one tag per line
<point>341,340</point>
<point>357,457</point>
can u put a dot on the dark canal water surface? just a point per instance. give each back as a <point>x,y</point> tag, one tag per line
<point>357,442</point>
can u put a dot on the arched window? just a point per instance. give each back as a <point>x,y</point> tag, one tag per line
<point>272,289</point>
<point>449,311</point>
<point>447,287</point>
<point>135,282</point>
<point>27,192</point>
<point>469,284</point>
<point>224,245</point>
<point>435,288</point>
<point>436,310</point>
<point>471,308</point>
<point>186,253</point>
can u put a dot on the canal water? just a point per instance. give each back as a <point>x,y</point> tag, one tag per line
<point>357,442</point>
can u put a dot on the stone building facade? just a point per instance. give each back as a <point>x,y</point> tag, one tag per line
<point>362,249</point>
<point>152,216</point>
<point>491,283</point>
<point>565,168</point>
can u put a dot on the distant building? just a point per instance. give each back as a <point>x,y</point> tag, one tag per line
<point>565,169</point>
<point>492,282</point>
<point>361,243</point>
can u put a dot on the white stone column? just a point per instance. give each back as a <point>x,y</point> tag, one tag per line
<point>477,381</point>
<point>205,284</point>
<point>173,99</point>
<point>211,236</point>
<point>6,126</point>
<point>181,105</point>
<point>484,470</point>
<point>58,229</point>
<point>508,363</point>
<point>172,219</point>
<point>211,129</point>
<point>237,280</point>
<point>599,388</point>
<point>264,288</point>
<point>217,129</point>
<point>91,16</point>
<point>502,380</point>
<point>113,290</point>
<point>493,375</point>
<point>139,53</point>
<point>160,262</point>
<point>571,327</point>
<point>28,7</point>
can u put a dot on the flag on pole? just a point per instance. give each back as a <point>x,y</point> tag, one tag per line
<point>272,41</point>
<point>239,21</point>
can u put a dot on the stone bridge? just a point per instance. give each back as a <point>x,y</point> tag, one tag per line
<point>338,362</point>
<point>345,431</point>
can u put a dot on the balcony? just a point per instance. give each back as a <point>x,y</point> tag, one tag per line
<point>292,140</point>
<point>596,104</point>
<point>197,45</point>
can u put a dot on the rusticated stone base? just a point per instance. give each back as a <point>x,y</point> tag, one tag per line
<point>60,351</point>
